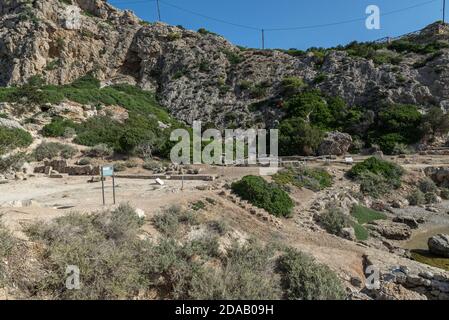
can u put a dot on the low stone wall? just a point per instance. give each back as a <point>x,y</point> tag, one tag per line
<point>201,177</point>
<point>61,166</point>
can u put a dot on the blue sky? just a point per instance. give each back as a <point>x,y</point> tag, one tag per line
<point>291,13</point>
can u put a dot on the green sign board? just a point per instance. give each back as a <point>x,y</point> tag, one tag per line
<point>107,171</point>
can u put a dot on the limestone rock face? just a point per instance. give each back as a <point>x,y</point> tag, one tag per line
<point>335,143</point>
<point>439,245</point>
<point>200,76</point>
<point>391,230</point>
<point>439,175</point>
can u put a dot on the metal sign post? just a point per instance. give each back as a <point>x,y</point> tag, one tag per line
<point>107,171</point>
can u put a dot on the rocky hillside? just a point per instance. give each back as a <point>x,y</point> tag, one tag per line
<point>200,75</point>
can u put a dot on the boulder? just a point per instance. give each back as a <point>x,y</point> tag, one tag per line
<point>391,230</point>
<point>410,221</point>
<point>10,124</point>
<point>335,143</point>
<point>439,175</point>
<point>348,233</point>
<point>439,245</point>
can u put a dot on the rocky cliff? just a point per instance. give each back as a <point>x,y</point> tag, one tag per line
<point>200,75</point>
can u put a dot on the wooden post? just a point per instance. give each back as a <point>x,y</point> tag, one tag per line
<point>102,184</point>
<point>113,185</point>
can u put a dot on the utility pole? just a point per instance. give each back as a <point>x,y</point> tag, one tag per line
<point>263,39</point>
<point>158,10</point>
<point>444,11</point>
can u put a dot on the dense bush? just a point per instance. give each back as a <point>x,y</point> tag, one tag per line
<point>435,122</point>
<point>99,151</point>
<point>427,185</point>
<point>14,162</point>
<point>57,127</point>
<point>444,194</point>
<point>144,113</point>
<point>291,85</point>
<point>13,138</point>
<point>115,262</point>
<point>397,124</point>
<point>103,245</point>
<point>7,243</point>
<point>304,279</point>
<point>310,178</point>
<point>431,197</point>
<point>416,198</point>
<point>51,150</point>
<point>333,220</point>
<point>264,195</point>
<point>297,137</point>
<point>372,184</point>
<point>391,172</point>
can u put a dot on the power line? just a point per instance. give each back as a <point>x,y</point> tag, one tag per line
<point>277,29</point>
<point>209,17</point>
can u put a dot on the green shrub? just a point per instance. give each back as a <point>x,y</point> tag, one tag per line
<point>264,195</point>
<point>245,85</point>
<point>57,127</point>
<point>333,220</point>
<point>291,85</point>
<point>115,262</point>
<point>14,162</point>
<point>234,58</point>
<point>427,185</point>
<point>173,36</point>
<point>9,249</point>
<point>400,148</point>
<point>365,215</point>
<point>51,150</point>
<point>444,194</point>
<point>67,151</point>
<point>397,124</point>
<point>431,197</point>
<point>103,245</point>
<point>416,198</point>
<point>220,227</point>
<point>389,142</point>
<point>119,167</point>
<point>152,165</point>
<point>198,205</point>
<point>297,137</point>
<point>310,178</point>
<point>304,279</point>
<point>373,184</point>
<point>99,151</point>
<point>84,161</point>
<point>391,172</point>
<point>142,124</point>
<point>258,91</point>
<point>13,138</point>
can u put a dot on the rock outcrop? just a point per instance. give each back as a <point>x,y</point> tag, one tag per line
<point>390,230</point>
<point>439,245</point>
<point>440,175</point>
<point>336,144</point>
